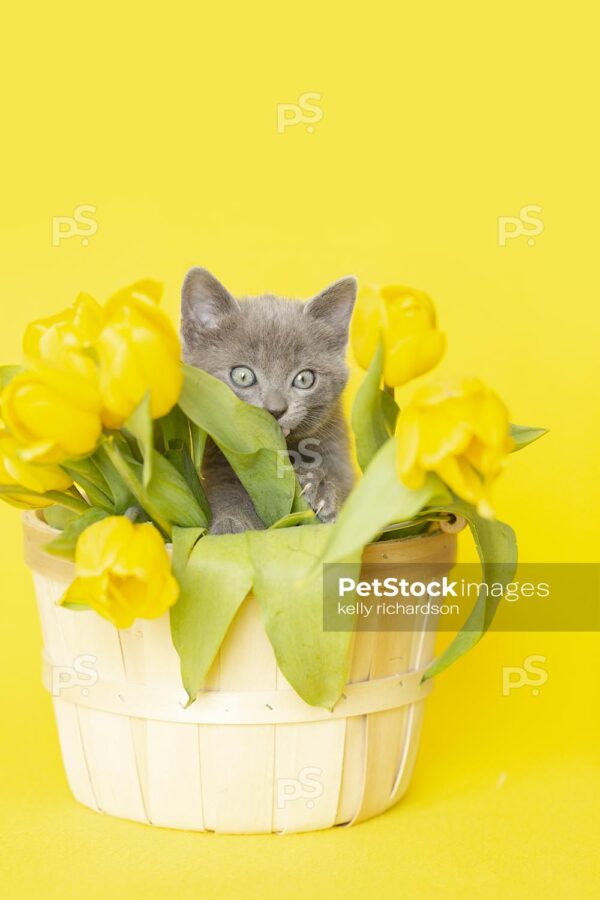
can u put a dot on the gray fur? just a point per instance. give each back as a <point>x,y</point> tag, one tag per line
<point>277,339</point>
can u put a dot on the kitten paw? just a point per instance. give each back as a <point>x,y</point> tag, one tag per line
<point>322,497</point>
<point>229,525</point>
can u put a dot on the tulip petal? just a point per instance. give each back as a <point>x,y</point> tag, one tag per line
<point>99,546</point>
<point>38,415</point>
<point>366,325</point>
<point>146,290</point>
<point>138,353</point>
<point>408,435</point>
<point>408,312</point>
<point>491,423</point>
<point>462,478</point>
<point>123,572</point>
<point>410,357</point>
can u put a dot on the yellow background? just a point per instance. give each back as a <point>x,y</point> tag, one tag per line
<point>436,120</point>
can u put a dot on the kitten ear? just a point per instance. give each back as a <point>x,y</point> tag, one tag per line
<point>204,300</point>
<point>334,305</point>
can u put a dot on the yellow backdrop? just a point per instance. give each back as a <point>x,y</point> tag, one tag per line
<point>282,147</point>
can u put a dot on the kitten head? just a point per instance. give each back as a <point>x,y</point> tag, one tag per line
<point>286,356</point>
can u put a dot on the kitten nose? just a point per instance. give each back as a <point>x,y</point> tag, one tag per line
<point>276,405</point>
<point>277,411</point>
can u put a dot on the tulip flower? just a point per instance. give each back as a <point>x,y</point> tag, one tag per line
<point>90,366</point>
<point>123,572</point>
<point>53,408</point>
<point>74,329</point>
<point>53,413</point>
<point>37,478</point>
<point>138,353</point>
<point>404,319</point>
<point>459,429</point>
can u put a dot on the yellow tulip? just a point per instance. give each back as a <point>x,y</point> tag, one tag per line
<point>405,319</point>
<point>90,366</point>
<point>74,329</point>
<point>37,478</point>
<point>53,408</point>
<point>123,572</point>
<point>53,411</point>
<point>138,353</point>
<point>459,429</point>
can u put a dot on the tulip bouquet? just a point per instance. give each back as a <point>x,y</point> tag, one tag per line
<point>104,429</point>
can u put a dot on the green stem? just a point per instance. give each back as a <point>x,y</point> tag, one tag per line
<point>137,489</point>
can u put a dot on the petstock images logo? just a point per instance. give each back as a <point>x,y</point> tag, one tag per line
<point>393,597</point>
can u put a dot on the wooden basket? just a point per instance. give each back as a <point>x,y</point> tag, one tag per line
<point>249,755</point>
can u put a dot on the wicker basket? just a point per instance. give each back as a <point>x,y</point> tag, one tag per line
<point>249,755</point>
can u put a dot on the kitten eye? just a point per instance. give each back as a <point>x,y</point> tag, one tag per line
<point>304,379</point>
<point>243,376</point>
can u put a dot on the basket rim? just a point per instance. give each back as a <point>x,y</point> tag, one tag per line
<point>37,533</point>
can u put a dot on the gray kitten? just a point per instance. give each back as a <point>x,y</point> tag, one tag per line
<point>287,357</point>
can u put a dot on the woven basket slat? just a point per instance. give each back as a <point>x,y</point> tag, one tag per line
<point>301,773</point>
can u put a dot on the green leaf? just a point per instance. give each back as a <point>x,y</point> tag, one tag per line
<point>199,438</point>
<point>369,422</point>
<point>497,549</point>
<point>379,499</point>
<point>304,517</point>
<point>175,427</point>
<point>12,492</point>
<point>167,499</point>
<point>214,576</point>
<point>390,410</point>
<point>122,498</point>
<point>289,589</point>
<point>249,438</point>
<point>127,444</point>
<point>74,607</point>
<point>64,544</point>
<point>173,497</point>
<point>69,500</point>
<point>87,475</point>
<point>130,472</point>
<point>7,373</point>
<point>217,572</point>
<point>300,504</point>
<point>523,435</point>
<point>58,517</point>
<point>139,425</point>
<point>181,459</point>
